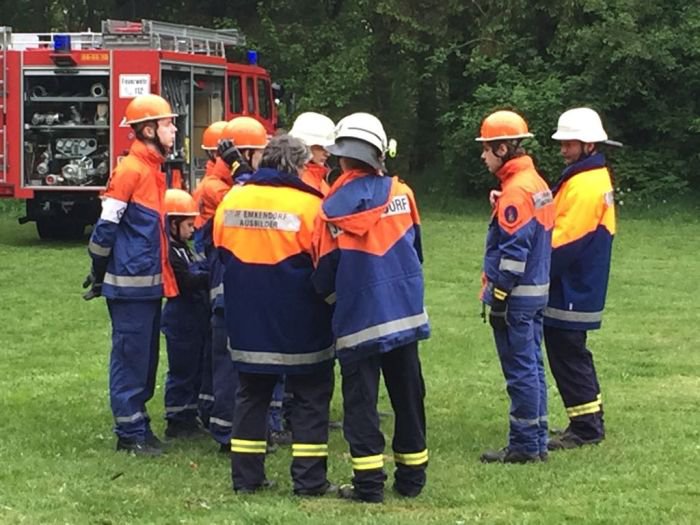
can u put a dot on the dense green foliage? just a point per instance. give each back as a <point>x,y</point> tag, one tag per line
<point>433,69</point>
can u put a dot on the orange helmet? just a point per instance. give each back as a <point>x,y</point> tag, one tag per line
<point>180,203</point>
<point>148,107</point>
<point>212,135</point>
<point>503,125</point>
<point>246,133</point>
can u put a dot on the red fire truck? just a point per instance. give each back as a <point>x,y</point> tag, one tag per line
<point>63,96</point>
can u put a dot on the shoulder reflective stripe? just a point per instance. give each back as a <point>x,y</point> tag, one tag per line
<point>130,419</point>
<point>221,422</point>
<point>175,410</point>
<point>528,422</point>
<point>308,450</point>
<point>570,315</point>
<point>262,220</point>
<point>216,291</point>
<point>368,462</point>
<point>330,299</point>
<point>98,250</point>
<point>542,198</point>
<point>206,397</point>
<point>582,410</point>
<point>274,358</point>
<point>609,198</point>
<point>133,281</point>
<point>113,209</point>
<point>530,290</point>
<point>245,446</point>
<point>416,458</point>
<point>509,265</point>
<point>381,330</point>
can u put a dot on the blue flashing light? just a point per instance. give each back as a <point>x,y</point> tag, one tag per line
<point>252,55</point>
<point>61,43</point>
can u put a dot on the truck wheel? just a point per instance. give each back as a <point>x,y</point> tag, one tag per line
<point>65,228</point>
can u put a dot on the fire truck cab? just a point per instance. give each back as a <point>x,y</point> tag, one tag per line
<point>63,97</point>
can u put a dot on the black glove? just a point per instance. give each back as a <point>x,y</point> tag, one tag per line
<point>499,310</point>
<point>228,152</point>
<point>95,287</point>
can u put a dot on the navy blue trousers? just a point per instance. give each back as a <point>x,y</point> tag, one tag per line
<point>133,364</point>
<point>188,334</point>
<point>519,348</point>
<point>403,378</point>
<point>224,381</point>
<point>309,421</point>
<point>574,372</point>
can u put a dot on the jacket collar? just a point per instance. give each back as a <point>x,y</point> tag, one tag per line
<point>145,153</point>
<point>589,163</point>
<point>272,177</point>
<point>513,166</point>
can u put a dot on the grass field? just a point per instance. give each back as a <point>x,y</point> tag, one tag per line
<point>56,445</point>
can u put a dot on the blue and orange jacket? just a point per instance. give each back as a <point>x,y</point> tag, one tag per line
<point>128,246</point>
<point>276,323</point>
<point>584,227</point>
<point>315,175</point>
<point>518,242</point>
<point>210,192</point>
<point>367,251</point>
<point>186,317</point>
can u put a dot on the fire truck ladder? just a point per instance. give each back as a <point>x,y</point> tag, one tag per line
<point>5,37</point>
<point>169,37</point>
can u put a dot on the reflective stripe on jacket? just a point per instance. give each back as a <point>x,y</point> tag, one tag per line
<point>368,261</point>
<point>518,242</point>
<point>276,322</point>
<point>128,245</point>
<point>584,227</point>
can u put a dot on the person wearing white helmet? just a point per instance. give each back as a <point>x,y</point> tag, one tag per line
<point>584,227</point>
<point>368,257</point>
<point>318,133</point>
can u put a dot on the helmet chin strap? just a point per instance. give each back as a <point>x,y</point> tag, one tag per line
<point>155,140</point>
<point>584,155</point>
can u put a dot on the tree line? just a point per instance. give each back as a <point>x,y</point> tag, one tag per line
<point>431,70</point>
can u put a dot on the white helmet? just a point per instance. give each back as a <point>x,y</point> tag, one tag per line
<point>582,124</point>
<point>314,129</point>
<point>361,136</point>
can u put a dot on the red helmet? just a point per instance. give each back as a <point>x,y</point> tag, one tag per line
<point>246,133</point>
<point>148,107</point>
<point>212,135</point>
<point>503,125</point>
<point>180,203</point>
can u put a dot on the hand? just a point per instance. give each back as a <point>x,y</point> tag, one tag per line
<point>493,197</point>
<point>95,287</point>
<point>89,279</point>
<point>228,152</point>
<point>95,291</point>
<point>497,315</point>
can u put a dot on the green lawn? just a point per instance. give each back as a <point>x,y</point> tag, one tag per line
<point>57,447</point>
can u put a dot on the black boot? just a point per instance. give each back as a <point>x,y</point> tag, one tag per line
<point>569,440</point>
<point>506,455</point>
<point>324,490</point>
<point>180,430</point>
<point>266,484</point>
<point>348,492</point>
<point>138,448</point>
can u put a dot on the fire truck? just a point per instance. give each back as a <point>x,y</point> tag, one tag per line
<point>63,96</point>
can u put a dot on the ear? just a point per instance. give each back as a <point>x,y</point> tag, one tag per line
<point>502,150</point>
<point>149,131</point>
